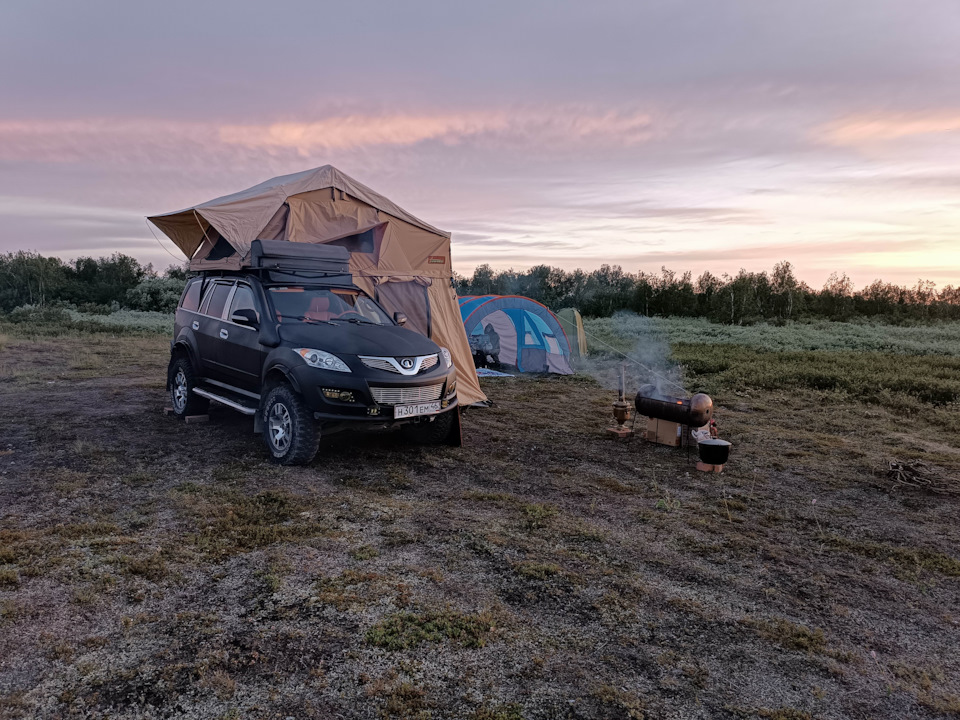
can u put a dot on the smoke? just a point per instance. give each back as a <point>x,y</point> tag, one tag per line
<point>647,354</point>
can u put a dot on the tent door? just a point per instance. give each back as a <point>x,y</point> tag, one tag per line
<point>410,298</point>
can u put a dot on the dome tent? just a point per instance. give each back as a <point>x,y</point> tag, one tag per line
<point>395,257</point>
<point>524,333</point>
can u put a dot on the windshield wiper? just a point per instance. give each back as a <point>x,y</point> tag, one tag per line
<point>303,318</point>
<point>357,320</point>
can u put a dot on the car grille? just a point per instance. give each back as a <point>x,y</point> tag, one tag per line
<point>406,395</point>
<point>387,364</point>
<point>378,364</point>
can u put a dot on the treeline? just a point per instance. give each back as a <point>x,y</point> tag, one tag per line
<point>744,298</point>
<point>98,285</point>
<point>104,284</point>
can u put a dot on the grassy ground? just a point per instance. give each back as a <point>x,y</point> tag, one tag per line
<point>153,569</point>
<point>935,338</point>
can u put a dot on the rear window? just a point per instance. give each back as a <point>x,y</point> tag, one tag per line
<point>191,298</point>
<point>216,299</point>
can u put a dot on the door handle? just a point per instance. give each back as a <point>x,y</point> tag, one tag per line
<point>195,325</point>
<point>224,334</point>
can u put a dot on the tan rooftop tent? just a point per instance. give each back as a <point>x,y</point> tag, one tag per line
<point>400,260</point>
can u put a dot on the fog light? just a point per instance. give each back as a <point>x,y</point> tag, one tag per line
<point>452,388</point>
<point>373,411</point>
<point>444,403</point>
<point>338,394</point>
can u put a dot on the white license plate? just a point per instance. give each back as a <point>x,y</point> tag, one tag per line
<point>406,411</point>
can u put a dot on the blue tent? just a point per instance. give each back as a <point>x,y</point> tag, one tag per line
<point>517,331</point>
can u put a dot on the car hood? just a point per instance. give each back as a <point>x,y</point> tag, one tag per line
<point>346,338</point>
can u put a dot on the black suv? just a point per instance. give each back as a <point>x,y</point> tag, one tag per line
<point>292,341</point>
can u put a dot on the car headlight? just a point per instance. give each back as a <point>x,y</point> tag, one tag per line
<point>446,357</point>
<point>321,359</point>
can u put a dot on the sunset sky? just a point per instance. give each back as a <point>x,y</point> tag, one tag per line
<point>696,134</point>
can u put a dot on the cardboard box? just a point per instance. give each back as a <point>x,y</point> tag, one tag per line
<point>663,432</point>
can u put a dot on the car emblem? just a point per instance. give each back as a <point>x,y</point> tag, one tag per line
<point>406,363</point>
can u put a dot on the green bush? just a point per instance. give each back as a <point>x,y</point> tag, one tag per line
<point>37,315</point>
<point>156,294</point>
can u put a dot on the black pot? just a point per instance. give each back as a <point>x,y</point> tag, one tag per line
<point>713,451</point>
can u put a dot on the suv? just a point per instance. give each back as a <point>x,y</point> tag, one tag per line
<point>293,342</point>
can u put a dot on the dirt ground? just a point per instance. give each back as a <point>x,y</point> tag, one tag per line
<point>152,569</point>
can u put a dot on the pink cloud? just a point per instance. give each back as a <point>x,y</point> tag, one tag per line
<point>863,129</point>
<point>355,131</point>
<point>110,139</point>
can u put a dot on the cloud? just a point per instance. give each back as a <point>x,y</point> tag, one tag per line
<point>355,131</point>
<point>865,129</point>
<point>135,141</point>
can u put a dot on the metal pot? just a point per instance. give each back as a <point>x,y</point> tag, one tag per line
<point>713,451</point>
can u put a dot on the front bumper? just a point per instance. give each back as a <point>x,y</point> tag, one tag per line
<point>364,407</point>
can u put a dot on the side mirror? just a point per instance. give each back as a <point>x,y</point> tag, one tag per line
<point>246,317</point>
<point>400,319</point>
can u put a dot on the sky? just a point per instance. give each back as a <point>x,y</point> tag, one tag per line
<point>692,134</point>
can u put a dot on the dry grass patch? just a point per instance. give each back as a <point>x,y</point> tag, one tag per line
<point>403,630</point>
<point>230,521</point>
<point>618,700</point>
<point>353,588</point>
<point>9,578</point>
<point>537,515</point>
<point>790,635</point>
<point>364,552</point>
<point>511,711</point>
<point>537,571</point>
<point>907,560</point>
<point>406,700</point>
<point>151,567</point>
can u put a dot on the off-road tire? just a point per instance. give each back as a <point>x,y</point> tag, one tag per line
<point>289,430</point>
<point>430,433</point>
<point>182,382</point>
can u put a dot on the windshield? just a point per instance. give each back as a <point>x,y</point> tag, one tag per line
<point>297,304</point>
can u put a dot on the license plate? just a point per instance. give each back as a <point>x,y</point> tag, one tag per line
<point>407,411</point>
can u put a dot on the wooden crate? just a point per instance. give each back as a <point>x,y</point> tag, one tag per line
<point>663,432</point>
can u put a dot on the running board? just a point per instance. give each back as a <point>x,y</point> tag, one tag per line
<point>245,409</point>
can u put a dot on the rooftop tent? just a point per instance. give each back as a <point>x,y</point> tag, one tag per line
<point>400,260</point>
<point>572,325</point>
<point>527,335</point>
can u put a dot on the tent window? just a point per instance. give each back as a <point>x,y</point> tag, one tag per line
<point>221,249</point>
<point>361,242</point>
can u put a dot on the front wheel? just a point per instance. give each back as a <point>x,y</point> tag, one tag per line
<point>289,430</point>
<point>182,397</point>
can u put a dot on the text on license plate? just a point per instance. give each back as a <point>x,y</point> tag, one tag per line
<point>405,411</point>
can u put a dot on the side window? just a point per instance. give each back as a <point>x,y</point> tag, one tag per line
<point>243,300</point>
<point>191,298</point>
<point>215,300</point>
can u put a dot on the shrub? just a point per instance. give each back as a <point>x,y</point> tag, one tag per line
<point>37,315</point>
<point>156,294</point>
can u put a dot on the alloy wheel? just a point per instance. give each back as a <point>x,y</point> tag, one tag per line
<point>281,427</point>
<point>180,391</point>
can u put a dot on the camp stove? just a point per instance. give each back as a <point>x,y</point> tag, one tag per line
<point>693,412</point>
